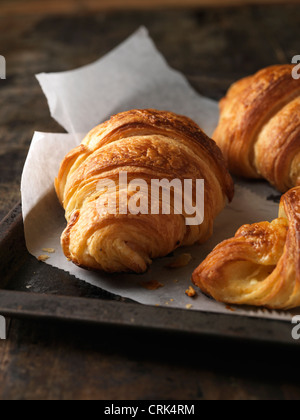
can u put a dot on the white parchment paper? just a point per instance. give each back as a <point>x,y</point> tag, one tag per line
<point>134,75</point>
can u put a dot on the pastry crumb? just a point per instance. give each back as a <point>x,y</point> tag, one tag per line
<point>189,306</point>
<point>229,308</point>
<point>43,258</point>
<point>181,261</point>
<point>191,292</point>
<point>171,300</point>
<point>152,285</point>
<point>49,250</point>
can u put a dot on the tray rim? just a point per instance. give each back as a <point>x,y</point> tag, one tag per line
<point>105,313</point>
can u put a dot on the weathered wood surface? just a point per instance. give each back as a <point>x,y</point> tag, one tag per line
<point>213,47</point>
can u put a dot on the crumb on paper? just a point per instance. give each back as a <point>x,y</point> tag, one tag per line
<point>43,258</point>
<point>229,308</point>
<point>49,250</point>
<point>189,306</point>
<point>152,285</point>
<point>264,310</point>
<point>28,287</point>
<point>181,261</point>
<point>191,292</point>
<point>171,300</point>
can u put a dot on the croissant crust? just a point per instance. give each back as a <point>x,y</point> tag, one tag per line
<point>259,128</point>
<point>147,144</point>
<point>261,265</point>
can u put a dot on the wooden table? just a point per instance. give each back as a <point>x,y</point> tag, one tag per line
<point>213,48</point>
<point>21,7</point>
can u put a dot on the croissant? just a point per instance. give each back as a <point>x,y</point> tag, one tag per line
<point>259,128</point>
<point>147,145</point>
<point>260,266</point>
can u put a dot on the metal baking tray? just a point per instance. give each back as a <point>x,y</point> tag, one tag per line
<point>31,289</point>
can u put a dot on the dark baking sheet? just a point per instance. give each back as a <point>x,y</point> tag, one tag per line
<point>35,290</point>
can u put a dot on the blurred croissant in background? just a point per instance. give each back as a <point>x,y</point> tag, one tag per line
<point>261,265</point>
<point>147,145</point>
<point>259,128</point>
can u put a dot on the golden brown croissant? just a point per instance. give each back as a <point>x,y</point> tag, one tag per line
<point>261,265</point>
<point>259,128</point>
<point>148,145</point>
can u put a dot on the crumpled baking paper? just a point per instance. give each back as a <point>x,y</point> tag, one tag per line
<point>134,75</point>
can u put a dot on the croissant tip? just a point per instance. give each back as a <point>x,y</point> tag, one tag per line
<point>150,144</point>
